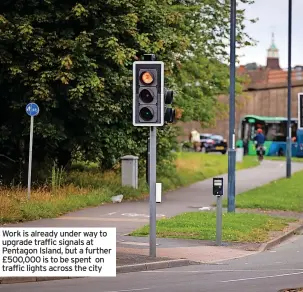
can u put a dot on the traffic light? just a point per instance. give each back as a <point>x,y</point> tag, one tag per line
<point>169,115</point>
<point>148,93</point>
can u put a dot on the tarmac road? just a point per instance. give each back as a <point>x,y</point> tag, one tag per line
<point>269,271</point>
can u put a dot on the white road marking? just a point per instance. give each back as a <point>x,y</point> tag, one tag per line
<point>111,213</point>
<point>135,243</point>
<point>221,271</point>
<point>107,219</point>
<point>264,277</point>
<point>140,215</point>
<point>205,209</point>
<point>139,289</point>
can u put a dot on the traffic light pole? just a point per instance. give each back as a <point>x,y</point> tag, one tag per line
<point>232,150</point>
<point>147,160</point>
<point>288,146</point>
<point>150,99</point>
<point>152,190</point>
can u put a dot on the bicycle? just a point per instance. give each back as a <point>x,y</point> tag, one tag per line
<point>261,151</point>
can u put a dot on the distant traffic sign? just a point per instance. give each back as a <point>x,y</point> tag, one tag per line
<point>32,109</point>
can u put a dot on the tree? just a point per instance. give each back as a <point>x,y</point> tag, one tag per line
<point>201,81</point>
<point>75,61</point>
<point>204,72</point>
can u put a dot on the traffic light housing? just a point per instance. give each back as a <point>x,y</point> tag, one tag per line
<point>148,93</point>
<point>169,115</point>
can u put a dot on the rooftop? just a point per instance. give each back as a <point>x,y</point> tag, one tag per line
<point>263,77</point>
<point>270,75</point>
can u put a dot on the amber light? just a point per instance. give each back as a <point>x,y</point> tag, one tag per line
<point>147,78</point>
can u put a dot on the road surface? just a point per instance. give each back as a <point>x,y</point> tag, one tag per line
<point>269,271</point>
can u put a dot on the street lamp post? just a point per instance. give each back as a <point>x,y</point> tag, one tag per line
<point>232,138</point>
<point>288,159</point>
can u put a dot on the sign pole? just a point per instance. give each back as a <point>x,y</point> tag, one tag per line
<point>219,221</point>
<point>30,157</point>
<point>32,110</point>
<point>152,190</point>
<point>288,146</point>
<point>300,110</point>
<point>218,191</point>
<point>232,150</point>
<point>148,160</point>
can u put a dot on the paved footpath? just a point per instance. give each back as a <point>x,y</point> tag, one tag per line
<point>127,216</point>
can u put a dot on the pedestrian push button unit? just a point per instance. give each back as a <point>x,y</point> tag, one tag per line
<point>218,186</point>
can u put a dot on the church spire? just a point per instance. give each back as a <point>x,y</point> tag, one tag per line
<point>273,52</point>
<point>273,55</point>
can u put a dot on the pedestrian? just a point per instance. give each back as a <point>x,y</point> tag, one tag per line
<point>195,139</point>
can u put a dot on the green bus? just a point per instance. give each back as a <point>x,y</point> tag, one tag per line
<point>275,131</point>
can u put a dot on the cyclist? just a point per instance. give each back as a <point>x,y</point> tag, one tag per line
<point>259,140</point>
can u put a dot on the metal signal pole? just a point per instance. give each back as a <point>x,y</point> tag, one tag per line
<point>232,137</point>
<point>288,152</point>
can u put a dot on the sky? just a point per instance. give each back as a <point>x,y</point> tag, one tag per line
<point>273,18</point>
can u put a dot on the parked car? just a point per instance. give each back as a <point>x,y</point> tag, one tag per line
<point>215,143</point>
<point>203,138</point>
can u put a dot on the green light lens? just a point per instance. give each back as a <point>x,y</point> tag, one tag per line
<point>146,113</point>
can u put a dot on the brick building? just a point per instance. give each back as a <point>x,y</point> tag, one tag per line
<point>265,94</point>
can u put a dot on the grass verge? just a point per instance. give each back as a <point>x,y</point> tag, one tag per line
<point>283,158</point>
<point>284,194</point>
<point>192,167</point>
<point>88,187</point>
<point>14,206</point>
<point>202,225</point>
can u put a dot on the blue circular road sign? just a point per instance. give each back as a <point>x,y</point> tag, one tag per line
<point>32,109</point>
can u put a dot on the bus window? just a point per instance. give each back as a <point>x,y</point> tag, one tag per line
<point>252,132</point>
<point>270,132</point>
<point>254,127</point>
<point>245,131</point>
<point>294,128</point>
<point>276,132</point>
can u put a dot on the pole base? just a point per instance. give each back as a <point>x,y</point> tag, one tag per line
<point>288,157</point>
<point>231,180</point>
